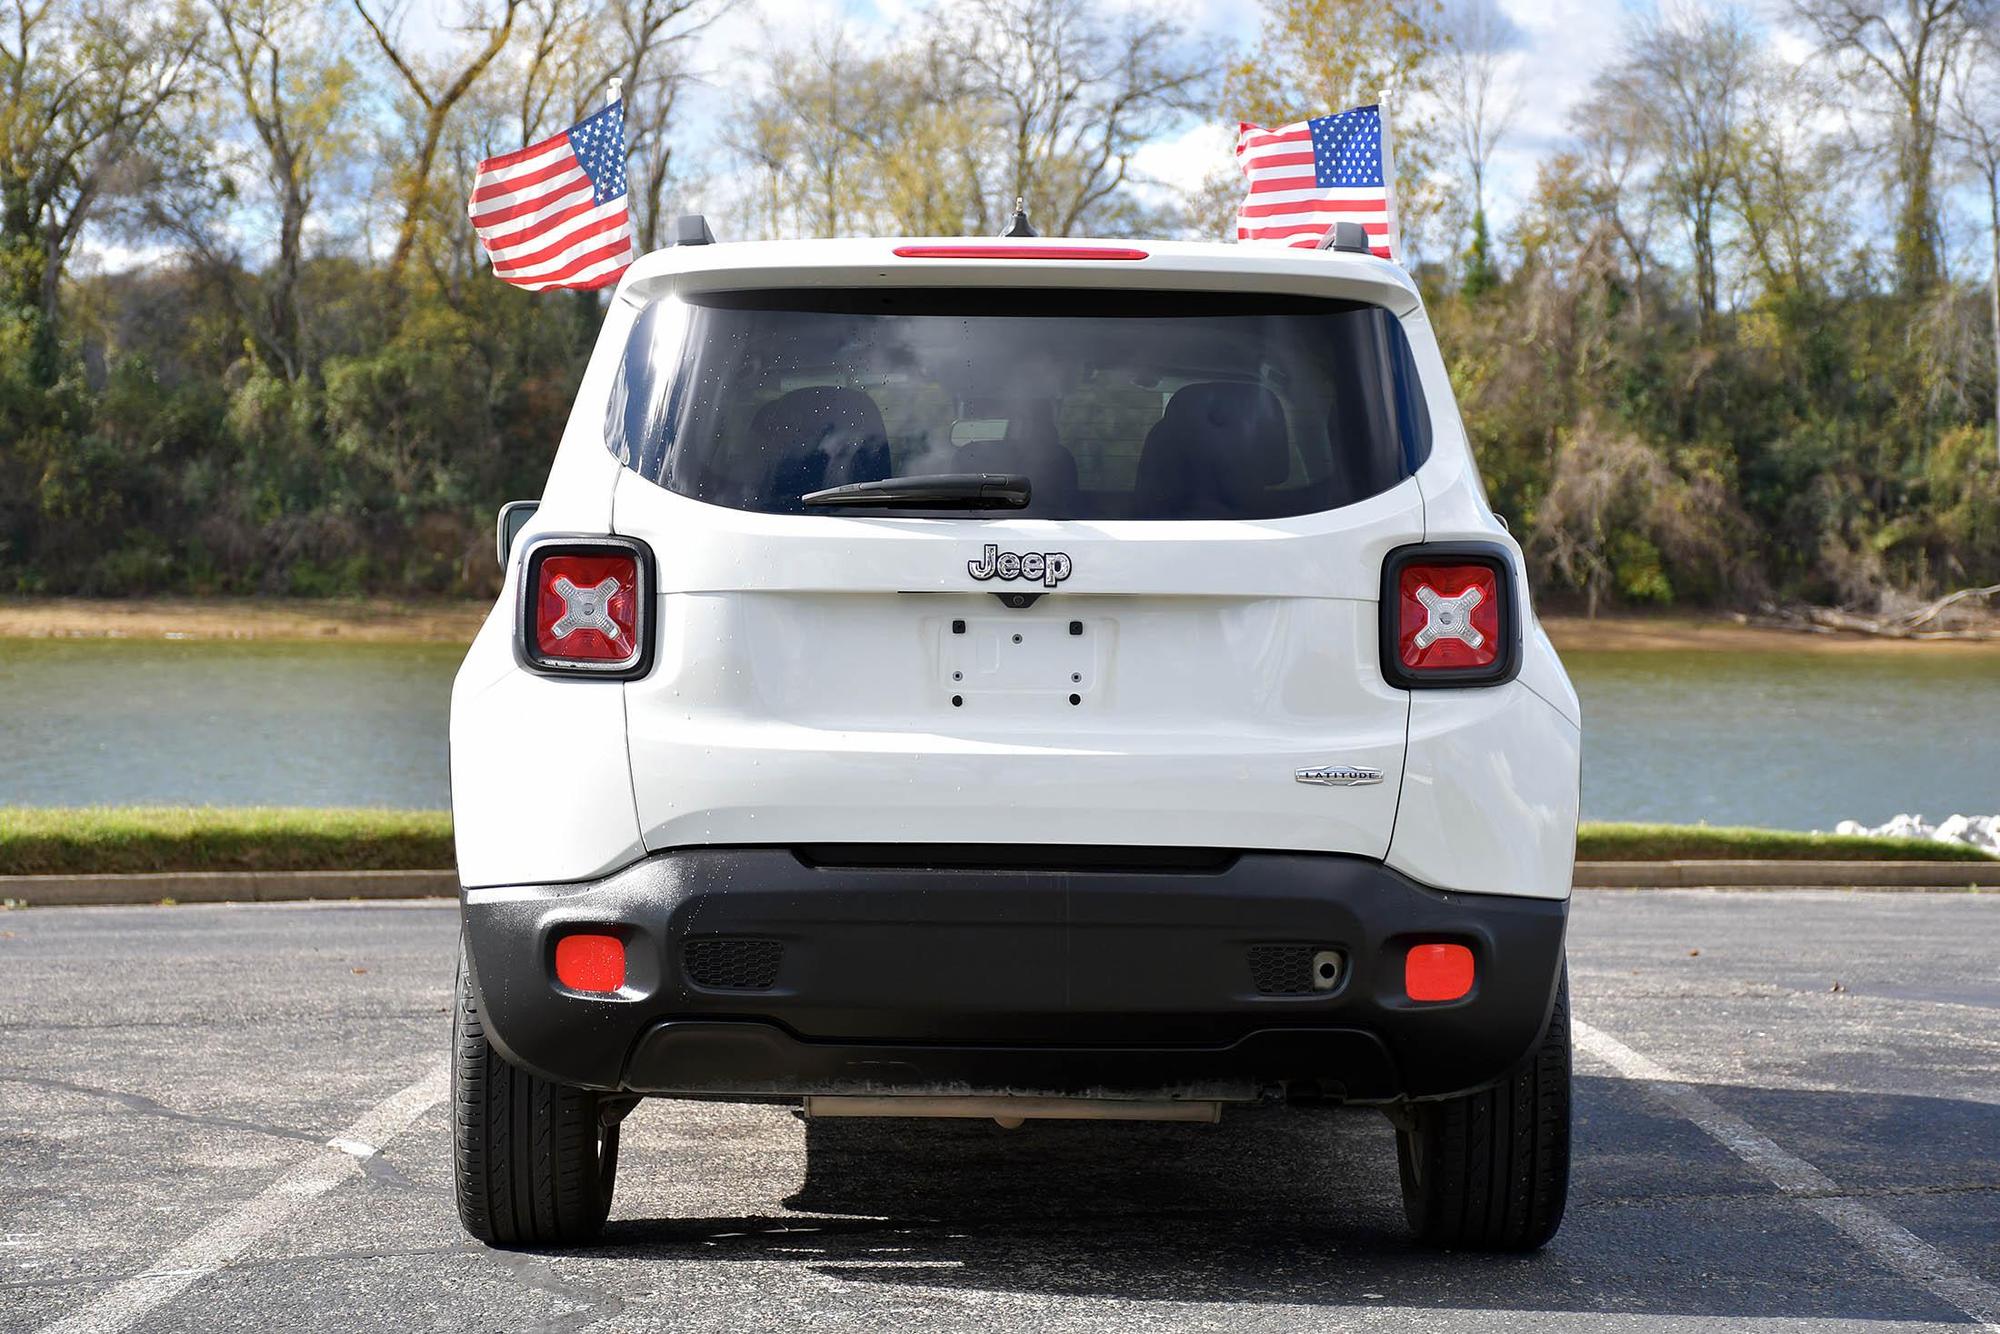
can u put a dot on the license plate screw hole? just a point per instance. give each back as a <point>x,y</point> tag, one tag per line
<point>1076,627</point>
<point>1017,639</point>
<point>1076,676</point>
<point>958,676</point>
<point>958,701</point>
<point>1076,699</point>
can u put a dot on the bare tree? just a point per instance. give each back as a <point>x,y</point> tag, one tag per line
<point>1685,80</point>
<point>1614,149</point>
<point>651,57</point>
<point>1786,191</point>
<point>1478,37</point>
<point>282,65</point>
<point>435,97</point>
<point>81,85</point>
<point>1974,128</point>
<point>1074,95</point>
<point>812,134</point>
<point>1905,50</point>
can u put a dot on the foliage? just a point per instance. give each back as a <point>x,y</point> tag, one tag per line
<point>1692,369</point>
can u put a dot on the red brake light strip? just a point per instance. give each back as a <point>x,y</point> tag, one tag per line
<point>1017,252</point>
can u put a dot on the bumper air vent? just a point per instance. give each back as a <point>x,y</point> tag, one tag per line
<point>732,963</point>
<point>1281,970</point>
<point>1293,970</point>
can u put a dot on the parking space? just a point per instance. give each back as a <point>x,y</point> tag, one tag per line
<point>1788,1116</point>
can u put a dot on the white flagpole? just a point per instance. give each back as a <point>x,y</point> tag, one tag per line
<point>1389,177</point>
<point>615,93</point>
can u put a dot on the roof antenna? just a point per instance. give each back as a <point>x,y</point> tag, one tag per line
<point>1019,224</point>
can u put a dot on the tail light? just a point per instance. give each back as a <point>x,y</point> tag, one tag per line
<point>585,606</point>
<point>1449,616</point>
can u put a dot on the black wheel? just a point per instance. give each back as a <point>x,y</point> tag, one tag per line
<point>1490,1170</point>
<point>534,1161</point>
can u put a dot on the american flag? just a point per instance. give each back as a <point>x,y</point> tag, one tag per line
<point>1305,177</point>
<point>554,214</point>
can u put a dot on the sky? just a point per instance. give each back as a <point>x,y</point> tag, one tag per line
<point>1562,46</point>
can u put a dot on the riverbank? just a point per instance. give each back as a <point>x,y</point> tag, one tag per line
<point>454,621</point>
<point>107,840</point>
<point>297,620</point>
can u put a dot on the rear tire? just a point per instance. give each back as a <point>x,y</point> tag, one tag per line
<point>533,1161</point>
<point>1490,1170</point>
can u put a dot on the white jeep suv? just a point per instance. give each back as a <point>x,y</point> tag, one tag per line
<point>1013,679</point>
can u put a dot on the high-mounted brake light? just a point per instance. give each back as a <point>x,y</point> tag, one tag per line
<point>1448,615</point>
<point>1017,252</point>
<point>583,608</point>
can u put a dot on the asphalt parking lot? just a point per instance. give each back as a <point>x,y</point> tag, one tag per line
<point>1788,1117</point>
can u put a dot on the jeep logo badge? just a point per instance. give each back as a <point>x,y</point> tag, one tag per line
<point>1047,568</point>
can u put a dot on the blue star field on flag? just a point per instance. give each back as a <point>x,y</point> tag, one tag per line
<point>1347,148</point>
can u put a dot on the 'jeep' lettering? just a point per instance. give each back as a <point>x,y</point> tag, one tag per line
<point>1048,567</point>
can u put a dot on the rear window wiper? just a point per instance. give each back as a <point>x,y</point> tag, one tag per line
<point>944,490</point>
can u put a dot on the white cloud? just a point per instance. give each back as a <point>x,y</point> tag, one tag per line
<point>1566,43</point>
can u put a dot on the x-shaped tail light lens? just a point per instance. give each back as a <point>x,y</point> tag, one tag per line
<point>1448,617</point>
<point>586,608</point>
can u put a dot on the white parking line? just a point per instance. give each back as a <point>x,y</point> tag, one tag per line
<point>208,1250</point>
<point>1889,1242</point>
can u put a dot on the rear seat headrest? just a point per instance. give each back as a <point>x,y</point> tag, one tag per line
<point>1218,446</point>
<point>1244,421</point>
<point>822,435</point>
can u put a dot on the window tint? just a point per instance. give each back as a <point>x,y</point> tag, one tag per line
<point>1114,405</point>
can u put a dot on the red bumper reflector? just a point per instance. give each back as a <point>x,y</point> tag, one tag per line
<point>1437,972</point>
<point>590,962</point>
<point>1017,252</point>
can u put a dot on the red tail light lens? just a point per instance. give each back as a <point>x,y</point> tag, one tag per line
<point>584,606</point>
<point>1448,616</point>
<point>587,608</point>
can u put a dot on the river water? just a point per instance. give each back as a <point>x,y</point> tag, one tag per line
<point>1783,740</point>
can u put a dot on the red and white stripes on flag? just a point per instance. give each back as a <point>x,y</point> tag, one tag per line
<point>1302,178</point>
<point>555,214</point>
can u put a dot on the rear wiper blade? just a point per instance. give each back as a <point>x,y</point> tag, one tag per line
<point>944,490</point>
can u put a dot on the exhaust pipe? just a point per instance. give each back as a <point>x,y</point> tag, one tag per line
<point>1009,1113</point>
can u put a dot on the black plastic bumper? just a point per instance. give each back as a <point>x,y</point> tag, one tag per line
<point>964,979</point>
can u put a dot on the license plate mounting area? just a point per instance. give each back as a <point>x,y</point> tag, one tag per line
<point>1017,657</point>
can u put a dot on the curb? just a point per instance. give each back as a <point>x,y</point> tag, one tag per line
<point>64,891</point>
<point>59,891</point>
<point>1787,875</point>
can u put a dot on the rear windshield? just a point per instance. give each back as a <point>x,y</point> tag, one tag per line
<point>1113,405</point>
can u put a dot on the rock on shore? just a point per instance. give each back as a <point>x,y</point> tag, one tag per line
<point>1979,831</point>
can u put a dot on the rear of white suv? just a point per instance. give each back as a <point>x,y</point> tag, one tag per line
<point>1014,679</point>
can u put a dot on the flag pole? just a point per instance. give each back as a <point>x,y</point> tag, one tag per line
<point>1389,176</point>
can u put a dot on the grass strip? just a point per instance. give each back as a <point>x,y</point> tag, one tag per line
<point>1600,842</point>
<point>121,840</point>
<point>125,840</point>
